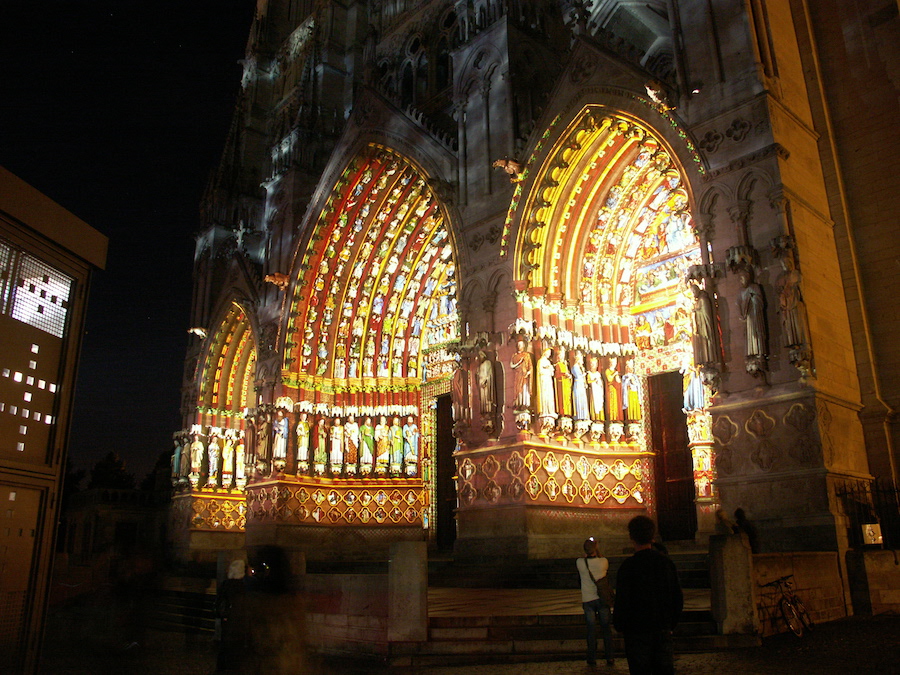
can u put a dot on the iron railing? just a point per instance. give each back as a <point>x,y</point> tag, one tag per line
<point>868,502</point>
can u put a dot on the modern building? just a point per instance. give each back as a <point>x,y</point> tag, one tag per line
<point>501,274</point>
<point>47,256</point>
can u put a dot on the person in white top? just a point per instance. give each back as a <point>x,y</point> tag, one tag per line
<point>595,609</point>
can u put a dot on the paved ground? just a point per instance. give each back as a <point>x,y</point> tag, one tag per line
<point>98,639</point>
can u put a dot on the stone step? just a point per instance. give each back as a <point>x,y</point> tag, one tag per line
<point>571,648</point>
<point>693,572</point>
<point>178,610</point>
<point>542,627</point>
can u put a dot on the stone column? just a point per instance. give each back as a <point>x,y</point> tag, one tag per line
<point>408,592</point>
<point>733,599</point>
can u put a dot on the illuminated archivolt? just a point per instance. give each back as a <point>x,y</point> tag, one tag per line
<point>227,383</point>
<point>377,293</point>
<point>608,200</point>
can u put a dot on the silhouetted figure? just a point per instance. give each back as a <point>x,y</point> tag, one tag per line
<point>748,528</point>
<point>648,603</point>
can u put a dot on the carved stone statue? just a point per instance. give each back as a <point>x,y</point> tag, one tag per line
<point>613,380</point>
<point>522,364</point>
<point>546,390</point>
<point>631,396</point>
<point>351,441</point>
<point>228,459</point>
<point>486,385</point>
<point>240,470</point>
<point>303,438</point>
<point>595,383</point>
<point>752,307</point>
<point>579,387</point>
<point>791,305</point>
<point>185,467</point>
<point>212,453</point>
<point>280,441</point>
<point>382,444</point>
<point>705,336</point>
<point>336,457</point>
<point>197,455</point>
<point>367,444</point>
<point>460,393</point>
<point>564,385</point>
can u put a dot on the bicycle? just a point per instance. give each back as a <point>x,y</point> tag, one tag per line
<point>793,611</point>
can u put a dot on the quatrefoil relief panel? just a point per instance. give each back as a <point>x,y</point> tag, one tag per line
<point>637,493</point>
<point>637,469</point>
<point>584,467</point>
<point>492,492</point>
<point>760,424</point>
<point>552,489</point>
<point>724,430</point>
<point>587,492</point>
<point>620,493</point>
<point>550,463</point>
<point>516,489</point>
<point>467,469</point>
<point>532,461</point>
<point>619,469</point>
<point>490,466</point>
<point>799,417</point>
<point>515,463</point>
<point>567,466</point>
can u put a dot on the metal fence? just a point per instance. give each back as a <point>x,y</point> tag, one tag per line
<point>871,502</point>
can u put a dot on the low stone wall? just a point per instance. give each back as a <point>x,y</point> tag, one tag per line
<point>817,582</point>
<point>874,581</point>
<point>362,614</point>
<point>346,613</point>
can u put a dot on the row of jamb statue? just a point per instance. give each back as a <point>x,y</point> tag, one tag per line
<point>565,388</point>
<point>337,446</point>
<point>222,459</point>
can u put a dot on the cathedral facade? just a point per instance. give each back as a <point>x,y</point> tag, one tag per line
<point>502,274</point>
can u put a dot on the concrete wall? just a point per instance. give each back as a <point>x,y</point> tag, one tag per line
<point>874,581</point>
<point>817,582</point>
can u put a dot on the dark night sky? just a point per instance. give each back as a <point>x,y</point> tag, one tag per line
<point>118,111</point>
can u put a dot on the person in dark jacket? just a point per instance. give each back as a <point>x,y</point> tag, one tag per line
<point>648,603</point>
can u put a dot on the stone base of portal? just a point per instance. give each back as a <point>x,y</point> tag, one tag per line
<point>328,519</point>
<point>204,524</point>
<point>784,460</point>
<point>329,543</point>
<point>518,532</point>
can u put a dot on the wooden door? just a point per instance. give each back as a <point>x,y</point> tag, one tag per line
<point>677,515</point>
<point>444,476</point>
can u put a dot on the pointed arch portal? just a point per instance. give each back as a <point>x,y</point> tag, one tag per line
<point>371,315</point>
<point>603,256</point>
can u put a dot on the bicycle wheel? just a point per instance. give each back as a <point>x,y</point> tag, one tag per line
<point>791,617</point>
<point>802,612</point>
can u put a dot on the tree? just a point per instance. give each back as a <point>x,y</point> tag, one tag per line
<point>110,472</point>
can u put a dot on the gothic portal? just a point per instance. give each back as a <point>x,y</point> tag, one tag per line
<point>500,275</point>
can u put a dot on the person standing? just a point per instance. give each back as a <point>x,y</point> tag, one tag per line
<point>648,603</point>
<point>591,569</point>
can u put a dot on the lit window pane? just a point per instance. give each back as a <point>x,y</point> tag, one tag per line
<point>41,298</point>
